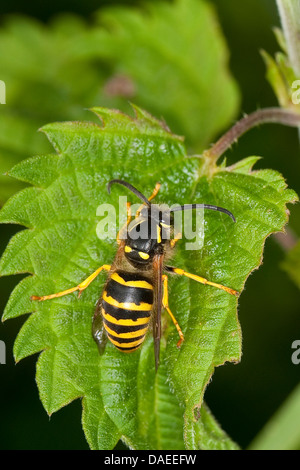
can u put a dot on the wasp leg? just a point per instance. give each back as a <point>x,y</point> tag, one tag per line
<point>175,240</point>
<point>120,234</point>
<point>83,285</point>
<point>165,302</point>
<point>154,193</point>
<point>200,279</point>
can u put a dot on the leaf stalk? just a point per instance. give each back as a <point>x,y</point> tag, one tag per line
<point>261,116</point>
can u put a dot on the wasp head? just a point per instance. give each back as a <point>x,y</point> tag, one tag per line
<point>148,234</point>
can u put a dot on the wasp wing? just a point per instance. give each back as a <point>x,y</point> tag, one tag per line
<point>98,330</point>
<point>158,293</point>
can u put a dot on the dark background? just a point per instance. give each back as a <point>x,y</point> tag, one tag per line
<point>244,396</point>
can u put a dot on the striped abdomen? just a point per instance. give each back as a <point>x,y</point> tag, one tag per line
<point>127,303</point>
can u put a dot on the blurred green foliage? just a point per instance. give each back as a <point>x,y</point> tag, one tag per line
<point>154,57</point>
<point>243,397</point>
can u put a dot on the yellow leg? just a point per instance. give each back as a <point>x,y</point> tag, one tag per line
<point>175,240</point>
<point>126,223</point>
<point>83,285</point>
<point>165,302</point>
<point>202,280</point>
<point>154,193</point>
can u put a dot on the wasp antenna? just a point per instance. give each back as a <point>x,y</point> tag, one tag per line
<point>204,206</point>
<point>131,188</point>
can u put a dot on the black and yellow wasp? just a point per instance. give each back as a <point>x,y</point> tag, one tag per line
<point>136,290</point>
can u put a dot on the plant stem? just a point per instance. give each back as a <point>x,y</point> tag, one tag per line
<point>261,116</point>
<point>289,11</point>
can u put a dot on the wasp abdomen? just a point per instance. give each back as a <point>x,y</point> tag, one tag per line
<point>127,304</point>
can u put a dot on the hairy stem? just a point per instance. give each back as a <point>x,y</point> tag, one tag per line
<point>261,116</point>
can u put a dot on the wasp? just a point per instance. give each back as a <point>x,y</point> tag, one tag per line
<point>136,290</point>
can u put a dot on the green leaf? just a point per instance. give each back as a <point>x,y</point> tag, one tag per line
<point>116,56</point>
<point>122,395</point>
<point>34,73</point>
<point>207,435</point>
<point>192,89</point>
